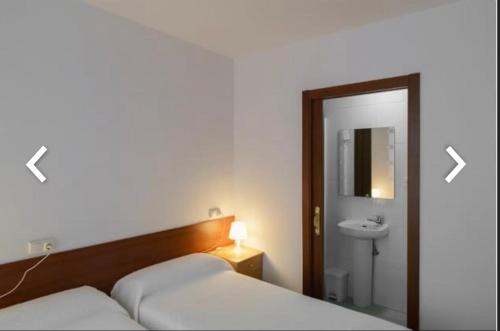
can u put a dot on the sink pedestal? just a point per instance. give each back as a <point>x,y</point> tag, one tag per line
<point>362,272</point>
<point>363,232</point>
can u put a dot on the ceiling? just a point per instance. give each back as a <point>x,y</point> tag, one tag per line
<point>238,28</point>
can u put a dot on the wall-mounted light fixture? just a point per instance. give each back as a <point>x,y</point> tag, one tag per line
<point>214,212</point>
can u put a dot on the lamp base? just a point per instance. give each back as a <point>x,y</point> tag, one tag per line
<point>237,246</point>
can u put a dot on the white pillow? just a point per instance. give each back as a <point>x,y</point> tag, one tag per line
<point>133,288</point>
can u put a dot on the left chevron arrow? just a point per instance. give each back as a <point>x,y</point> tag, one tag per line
<point>34,159</point>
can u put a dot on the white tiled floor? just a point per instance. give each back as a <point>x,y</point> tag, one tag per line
<point>377,311</point>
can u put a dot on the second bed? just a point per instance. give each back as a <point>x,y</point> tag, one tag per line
<point>200,291</point>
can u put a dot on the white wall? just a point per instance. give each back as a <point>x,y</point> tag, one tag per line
<point>453,47</point>
<point>376,110</point>
<point>138,127</point>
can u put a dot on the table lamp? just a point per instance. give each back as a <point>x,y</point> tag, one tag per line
<point>238,232</point>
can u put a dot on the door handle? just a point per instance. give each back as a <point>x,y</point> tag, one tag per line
<point>317,220</point>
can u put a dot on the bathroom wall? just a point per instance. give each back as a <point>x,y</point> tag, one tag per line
<point>138,126</point>
<point>454,49</point>
<point>368,111</point>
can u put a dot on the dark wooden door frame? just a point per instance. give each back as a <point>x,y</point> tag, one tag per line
<point>312,188</point>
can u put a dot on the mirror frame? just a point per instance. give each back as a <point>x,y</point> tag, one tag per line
<point>341,171</point>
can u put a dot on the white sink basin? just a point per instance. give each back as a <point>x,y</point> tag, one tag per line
<point>363,229</point>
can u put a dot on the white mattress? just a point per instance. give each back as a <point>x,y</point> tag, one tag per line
<point>177,295</point>
<point>83,308</point>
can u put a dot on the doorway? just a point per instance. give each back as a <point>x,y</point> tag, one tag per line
<point>356,163</point>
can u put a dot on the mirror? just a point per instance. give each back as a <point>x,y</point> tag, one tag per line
<point>366,162</point>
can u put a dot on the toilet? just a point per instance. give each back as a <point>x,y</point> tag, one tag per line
<point>336,284</point>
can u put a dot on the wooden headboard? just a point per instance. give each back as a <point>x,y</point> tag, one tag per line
<point>102,265</point>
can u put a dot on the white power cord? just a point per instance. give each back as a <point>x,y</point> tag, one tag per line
<point>49,249</point>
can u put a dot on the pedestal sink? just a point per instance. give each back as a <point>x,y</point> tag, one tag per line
<point>363,232</point>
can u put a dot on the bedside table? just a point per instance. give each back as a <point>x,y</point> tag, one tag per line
<point>246,261</point>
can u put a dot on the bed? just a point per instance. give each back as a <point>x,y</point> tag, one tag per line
<point>201,291</point>
<point>83,308</point>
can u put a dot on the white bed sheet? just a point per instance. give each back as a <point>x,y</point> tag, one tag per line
<point>83,308</point>
<point>221,299</point>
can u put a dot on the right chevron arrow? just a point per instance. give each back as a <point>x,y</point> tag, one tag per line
<point>460,164</point>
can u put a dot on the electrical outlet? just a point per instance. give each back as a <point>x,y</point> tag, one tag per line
<point>41,246</point>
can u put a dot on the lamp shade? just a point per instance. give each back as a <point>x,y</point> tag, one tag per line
<point>238,231</point>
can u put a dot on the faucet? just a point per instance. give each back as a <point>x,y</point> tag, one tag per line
<point>379,219</point>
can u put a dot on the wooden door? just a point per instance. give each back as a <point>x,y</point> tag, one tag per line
<point>313,182</point>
